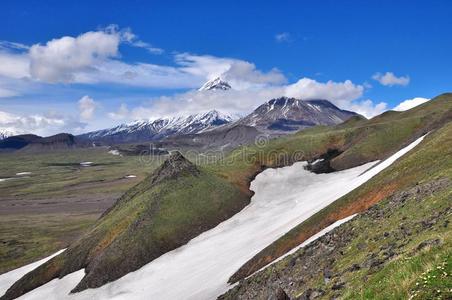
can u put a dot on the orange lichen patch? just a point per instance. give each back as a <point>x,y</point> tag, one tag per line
<point>110,236</point>
<point>366,201</point>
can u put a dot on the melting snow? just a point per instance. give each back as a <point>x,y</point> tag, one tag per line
<point>114,152</point>
<point>7,279</point>
<point>23,173</point>
<point>199,270</point>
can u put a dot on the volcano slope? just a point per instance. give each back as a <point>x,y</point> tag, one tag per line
<point>400,248</point>
<point>181,200</point>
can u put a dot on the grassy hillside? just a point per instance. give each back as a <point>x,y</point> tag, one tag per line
<point>398,249</point>
<point>150,220</point>
<point>43,212</point>
<point>168,208</point>
<point>364,141</point>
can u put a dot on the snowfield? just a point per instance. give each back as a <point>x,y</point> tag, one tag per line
<point>199,270</point>
<point>8,279</point>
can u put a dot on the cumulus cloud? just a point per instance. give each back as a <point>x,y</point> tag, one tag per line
<point>94,57</point>
<point>368,108</point>
<point>69,59</point>
<point>14,65</point>
<point>121,114</point>
<point>86,106</point>
<point>59,59</point>
<point>50,123</point>
<point>338,92</point>
<point>283,37</point>
<point>389,79</point>
<point>410,103</point>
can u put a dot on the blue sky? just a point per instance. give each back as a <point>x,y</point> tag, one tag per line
<point>145,59</point>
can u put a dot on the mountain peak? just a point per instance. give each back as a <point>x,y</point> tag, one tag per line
<point>285,114</point>
<point>215,84</point>
<point>175,165</point>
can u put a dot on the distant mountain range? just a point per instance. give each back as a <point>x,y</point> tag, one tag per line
<point>213,129</point>
<point>35,143</point>
<point>142,131</point>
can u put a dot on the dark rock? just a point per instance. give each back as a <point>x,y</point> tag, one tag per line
<point>338,286</point>
<point>281,295</point>
<point>428,243</point>
<point>355,267</point>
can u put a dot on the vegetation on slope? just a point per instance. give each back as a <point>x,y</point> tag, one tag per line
<point>171,206</point>
<point>368,141</point>
<point>45,211</point>
<point>136,217</point>
<point>398,249</point>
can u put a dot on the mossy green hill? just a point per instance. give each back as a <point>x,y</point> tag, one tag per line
<point>165,211</point>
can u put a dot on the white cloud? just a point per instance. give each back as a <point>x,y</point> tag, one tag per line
<point>389,79</point>
<point>59,59</point>
<point>93,57</point>
<point>121,114</point>
<point>241,74</point>
<point>410,103</point>
<point>87,106</point>
<point>50,123</point>
<point>132,39</point>
<point>336,92</point>
<point>14,65</point>
<point>367,108</point>
<point>283,37</point>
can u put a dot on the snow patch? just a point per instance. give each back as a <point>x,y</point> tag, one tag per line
<point>23,173</point>
<point>9,278</point>
<point>114,152</point>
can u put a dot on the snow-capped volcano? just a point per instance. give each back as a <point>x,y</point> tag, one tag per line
<point>148,130</point>
<point>290,114</point>
<point>215,84</point>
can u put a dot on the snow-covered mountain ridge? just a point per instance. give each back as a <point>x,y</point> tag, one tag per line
<point>145,130</point>
<point>215,84</point>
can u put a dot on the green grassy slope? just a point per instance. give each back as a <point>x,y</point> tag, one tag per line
<point>115,233</point>
<point>364,141</point>
<point>44,212</point>
<point>164,211</point>
<point>398,249</point>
